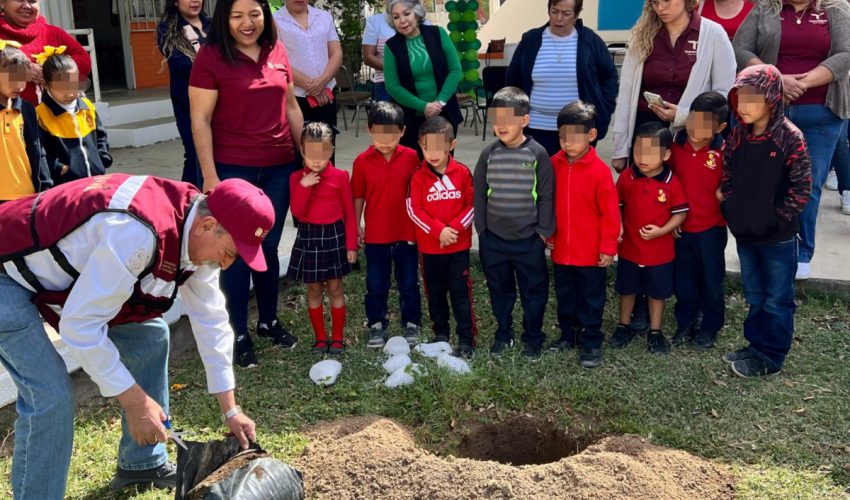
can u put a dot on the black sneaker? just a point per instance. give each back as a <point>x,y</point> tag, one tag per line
<point>377,336</point>
<point>590,357</point>
<point>704,340</point>
<point>683,336</point>
<point>754,367</point>
<point>464,351</point>
<point>499,347</point>
<point>533,352</point>
<point>279,335</point>
<point>162,477</point>
<point>739,355</point>
<point>621,337</point>
<point>243,351</point>
<point>336,348</point>
<point>320,347</point>
<point>564,343</point>
<point>411,334</point>
<point>657,343</point>
<point>442,338</point>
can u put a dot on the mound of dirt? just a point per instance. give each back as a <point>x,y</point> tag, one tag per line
<point>373,457</point>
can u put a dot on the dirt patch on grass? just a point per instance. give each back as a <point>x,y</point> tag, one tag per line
<point>373,457</point>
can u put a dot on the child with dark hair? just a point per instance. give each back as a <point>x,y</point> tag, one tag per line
<point>767,180</point>
<point>74,138</point>
<point>700,266</point>
<point>514,217</point>
<point>326,244</point>
<point>439,203</point>
<point>587,225</point>
<point>24,170</point>
<point>653,205</point>
<point>380,179</point>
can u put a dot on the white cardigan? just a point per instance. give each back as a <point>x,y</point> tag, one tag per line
<point>714,69</point>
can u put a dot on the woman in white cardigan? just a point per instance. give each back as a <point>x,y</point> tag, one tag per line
<point>677,25</point>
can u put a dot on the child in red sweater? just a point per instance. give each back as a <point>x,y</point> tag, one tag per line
<point>439,203</point>
<point>587,225</point>
<point>326,244</point>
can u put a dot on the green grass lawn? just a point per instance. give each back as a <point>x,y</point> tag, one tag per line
<point>783,437</point>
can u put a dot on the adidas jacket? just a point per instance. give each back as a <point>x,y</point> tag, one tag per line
<point>77,140</point>
<point>435,201</point>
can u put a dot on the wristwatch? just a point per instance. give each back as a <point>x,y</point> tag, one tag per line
<point>441,103</point>
<point>236,410</point>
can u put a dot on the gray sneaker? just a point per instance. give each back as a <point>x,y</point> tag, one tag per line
<point>162,477</point>
<point>377,336</point>
<point>411,334</point>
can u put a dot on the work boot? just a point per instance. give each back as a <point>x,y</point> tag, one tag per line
<point>162,477</point>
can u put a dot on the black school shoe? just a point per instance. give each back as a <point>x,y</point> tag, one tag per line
<point>590,357</point>
<point>320,347</point>
<point>739,355</point>
<point>683,335</point>
<point>464,351</point>
<point>533,352</point>
<point>564,343</point>
<point>336,347</point>
<point>442,338</point>
<point>754,367</point>
<point>279,335</point>
<point>499,347</point>
<point>621,337</point>
<point>704,340</point>
<point>243,351</point>
<point>162,477</point>
<point>657,343</point>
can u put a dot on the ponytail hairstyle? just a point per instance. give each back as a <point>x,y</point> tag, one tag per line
<point>57,64</point>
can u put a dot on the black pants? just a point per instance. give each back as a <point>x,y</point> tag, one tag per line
<point>699,273</point>
<point>446,276</point>
<point>506,264</point>
<point>581,301</point>
<point>326,113</point>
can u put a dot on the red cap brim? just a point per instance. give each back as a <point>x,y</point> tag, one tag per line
<point>253,256</point>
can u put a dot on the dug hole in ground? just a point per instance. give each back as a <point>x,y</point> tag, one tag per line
<point>522,457</point>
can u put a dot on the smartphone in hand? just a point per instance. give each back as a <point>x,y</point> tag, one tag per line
<point>653,98</point>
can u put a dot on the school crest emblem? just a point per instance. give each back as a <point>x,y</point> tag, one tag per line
<point>662,196</point>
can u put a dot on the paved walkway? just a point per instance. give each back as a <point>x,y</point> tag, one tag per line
<point>832,258</point>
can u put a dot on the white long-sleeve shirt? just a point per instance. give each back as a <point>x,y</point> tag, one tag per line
<point>110,251</point>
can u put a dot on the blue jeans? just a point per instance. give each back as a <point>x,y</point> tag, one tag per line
<point>768,276</point>
<point>379,92</point>
<point>379,263</point>
<point>841,159</point>
<point>44,429</point>
<point>698,275</point>
<point>236,280</point>
<point>821,128</point>
<point>508,264</point>
<point>191,166</point>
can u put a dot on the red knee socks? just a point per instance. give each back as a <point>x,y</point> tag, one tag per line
<point>317,318</point>
<point>337,323</point>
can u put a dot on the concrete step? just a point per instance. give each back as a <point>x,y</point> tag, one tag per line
<point>142,133</point>
<point>129,111</point>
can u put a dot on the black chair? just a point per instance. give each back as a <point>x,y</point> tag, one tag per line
<point>493,78</point>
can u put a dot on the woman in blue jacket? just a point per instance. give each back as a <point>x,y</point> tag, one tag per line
<point>559,63</point>
<point>182,30</point>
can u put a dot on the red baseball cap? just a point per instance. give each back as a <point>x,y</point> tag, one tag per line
<point>245,212</point>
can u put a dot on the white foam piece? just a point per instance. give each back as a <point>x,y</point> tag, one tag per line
<point>453,363</point>
<point>325,372</point>
<point>396,345</point>
<point>434,349</point>
<point>404,376</point>
<point>396,362</point>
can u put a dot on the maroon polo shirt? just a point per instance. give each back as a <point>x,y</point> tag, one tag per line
<point>648,200</point>
<point>804,46</point>
<point>699,171</point>
<point>668,67</point>
<point>249,126</point>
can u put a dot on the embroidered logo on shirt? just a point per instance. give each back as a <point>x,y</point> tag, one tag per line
<point>815,18</point>
<point>662,196</point>
<point>711,162</point>
<point>168,267</point>
<point>261,233</point>
<point>529,164</point>
<point>139,261</point>
<point>692,52</point>
<point>443,190</point>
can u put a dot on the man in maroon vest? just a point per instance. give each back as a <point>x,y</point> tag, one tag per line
<point>101,259</point>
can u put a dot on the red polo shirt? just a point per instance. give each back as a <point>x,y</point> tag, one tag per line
<point>699,171</point>
<point>648,200</point>
<point>383,185</point>
<point>249,126</point>
<point>667,69</point>
<point>804,46</point>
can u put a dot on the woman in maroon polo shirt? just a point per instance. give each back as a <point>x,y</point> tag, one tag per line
<point>244,121</point>
<point>727,13</point>
<point>809,41</point>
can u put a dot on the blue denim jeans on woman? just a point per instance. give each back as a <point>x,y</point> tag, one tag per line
<point>821,128</point>
<point>841,159</point>
<point>236,280</point>
<point>44,429</point>
<point>768,273</point>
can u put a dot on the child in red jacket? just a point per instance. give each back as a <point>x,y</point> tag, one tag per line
<point>326,244</point>
<point>439,203</point>
<point>587,225</point>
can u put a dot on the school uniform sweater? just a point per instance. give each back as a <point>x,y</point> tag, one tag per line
<point>23,169</point>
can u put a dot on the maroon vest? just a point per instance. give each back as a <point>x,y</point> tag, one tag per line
<point>39,221</point>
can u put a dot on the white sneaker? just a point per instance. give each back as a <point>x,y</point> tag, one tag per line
<point>845,202</point>
<point>831,181</point>
<point>804,271</point>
